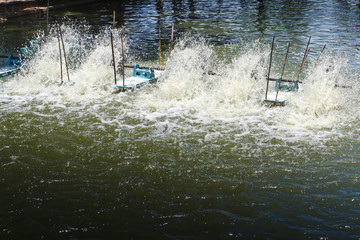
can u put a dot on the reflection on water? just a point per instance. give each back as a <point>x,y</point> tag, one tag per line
<point>222,22</point>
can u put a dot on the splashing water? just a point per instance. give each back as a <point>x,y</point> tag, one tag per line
<point>88,58</point>
<point>230,92</point>
<point>320,104</point>
<point>186,96</point>
<point>194,148</point>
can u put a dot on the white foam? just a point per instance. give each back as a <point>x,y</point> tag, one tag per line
<point>186,100</point>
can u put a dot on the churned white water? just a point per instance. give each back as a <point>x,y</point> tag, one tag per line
<point>195,155</point>
<point>186,98</point>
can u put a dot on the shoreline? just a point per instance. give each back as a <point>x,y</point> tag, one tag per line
<point>14,8</point>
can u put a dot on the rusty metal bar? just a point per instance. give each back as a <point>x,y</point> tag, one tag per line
<point>63,46</point>
<point>322,50</point>
<point>343,86</point>
<point>268,76</point>
<point>159,43</point>
<point>307,50</point>
<point>123,58</point>
<point>172,37</point>
<point>61,75</point>
<point>132,66</point>
<point>283,80</point>
<point>283,70</point>
<point>112,47</point>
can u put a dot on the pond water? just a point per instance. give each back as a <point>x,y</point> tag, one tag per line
<point>194,156</point>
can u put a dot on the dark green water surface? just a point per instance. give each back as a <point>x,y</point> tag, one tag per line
<point>194,156</point>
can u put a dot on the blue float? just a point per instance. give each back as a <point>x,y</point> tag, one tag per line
<point>139,77</point>
<point>12,65</point>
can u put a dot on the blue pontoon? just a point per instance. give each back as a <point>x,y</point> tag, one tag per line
<point>139,77</point>
<point>9,65</point>
<point>285,86</point>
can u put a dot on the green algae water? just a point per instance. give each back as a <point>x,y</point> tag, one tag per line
<point>195,156</point>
